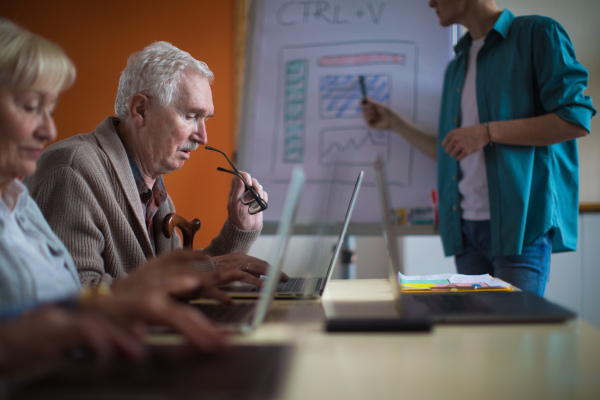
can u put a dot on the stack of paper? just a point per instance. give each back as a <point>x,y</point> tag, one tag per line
<point>451,282</point>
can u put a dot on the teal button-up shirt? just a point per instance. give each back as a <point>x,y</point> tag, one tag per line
<point>526,68</point>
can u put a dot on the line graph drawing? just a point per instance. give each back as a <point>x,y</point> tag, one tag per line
<point>352,146</point>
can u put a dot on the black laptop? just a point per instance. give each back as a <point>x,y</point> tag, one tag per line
<point>449,307</point>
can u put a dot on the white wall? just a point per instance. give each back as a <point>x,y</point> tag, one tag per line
<point>575,276</point>
<point>580,20</point>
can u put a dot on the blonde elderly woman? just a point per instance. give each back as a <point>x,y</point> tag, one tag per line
<point>43,309</point>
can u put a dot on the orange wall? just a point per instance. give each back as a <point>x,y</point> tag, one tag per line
<point>100,35</point>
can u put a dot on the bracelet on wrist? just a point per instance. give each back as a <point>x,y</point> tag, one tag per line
<point>487,128</point>
<point>87,294</point>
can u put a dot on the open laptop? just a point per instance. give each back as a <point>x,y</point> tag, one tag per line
<point>461,307</point>
<point>244,317</point>
<point>306,287</point>
<point>411,311</point>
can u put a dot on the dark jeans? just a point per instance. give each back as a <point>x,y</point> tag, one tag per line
<point>527,271</point>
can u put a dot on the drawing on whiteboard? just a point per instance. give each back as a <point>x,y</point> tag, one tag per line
<point>320,121</point>
<point>301,99</point>
<point>340,95</point>
<point>295,110</point>
<point>352,146</point>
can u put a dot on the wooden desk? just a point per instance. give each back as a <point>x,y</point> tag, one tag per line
<point>549,361</point>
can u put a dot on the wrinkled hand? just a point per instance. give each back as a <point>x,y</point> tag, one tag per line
<point>377,115</point>
<point>40,338</point>
<point>171,273</point>
<point>461,142</point>
<point>134,312</point>
<point>238,213</point>
<point>145,297</point>
<point>242,267</point>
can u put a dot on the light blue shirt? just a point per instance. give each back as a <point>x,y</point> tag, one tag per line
<point>526,68</point>
<point>35,266</point>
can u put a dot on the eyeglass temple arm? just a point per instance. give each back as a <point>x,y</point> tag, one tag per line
<point>239,175</point>
<point>225,155</point>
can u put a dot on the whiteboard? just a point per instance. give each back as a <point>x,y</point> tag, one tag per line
<point>301,99</point>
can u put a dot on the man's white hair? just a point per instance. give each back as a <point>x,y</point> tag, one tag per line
<point>156,72</point>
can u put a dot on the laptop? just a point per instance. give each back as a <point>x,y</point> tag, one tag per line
<point>244,317</point>
<point>413,309</point>
<point>305,287</point>
<point>464,307</point>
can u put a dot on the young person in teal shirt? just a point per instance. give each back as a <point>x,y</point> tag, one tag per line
<point>508,170</point>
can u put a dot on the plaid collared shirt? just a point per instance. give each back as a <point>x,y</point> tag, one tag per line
<point>151,199</point>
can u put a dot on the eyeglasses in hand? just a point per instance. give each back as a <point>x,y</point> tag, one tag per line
<point>250,197</point>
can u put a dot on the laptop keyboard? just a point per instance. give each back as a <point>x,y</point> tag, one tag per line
<point>236,312</point>
<point>296,285</point>
<point>453,303</point>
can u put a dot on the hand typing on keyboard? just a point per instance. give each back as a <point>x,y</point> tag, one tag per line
<point>242,267</point>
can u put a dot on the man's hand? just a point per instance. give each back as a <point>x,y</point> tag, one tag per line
<point>461,142</point>
<point>242,267</point>
<point>172,273</point>
<point>238,213</point>
<point>377,115</point>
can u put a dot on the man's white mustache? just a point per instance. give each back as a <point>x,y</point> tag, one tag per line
<point>190,146</point>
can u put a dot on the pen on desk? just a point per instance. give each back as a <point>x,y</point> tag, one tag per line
<point>363,88</point>
<point>452,287</point>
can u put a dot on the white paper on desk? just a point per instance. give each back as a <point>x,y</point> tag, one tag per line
<point>423,277</point>
<point>455,278</point>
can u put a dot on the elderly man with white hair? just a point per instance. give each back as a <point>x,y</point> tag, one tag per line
<point>102,192</point>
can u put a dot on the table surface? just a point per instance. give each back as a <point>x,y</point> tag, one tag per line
<point>508,361</point>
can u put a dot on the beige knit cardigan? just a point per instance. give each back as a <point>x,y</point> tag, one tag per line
<point>86,191</point>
